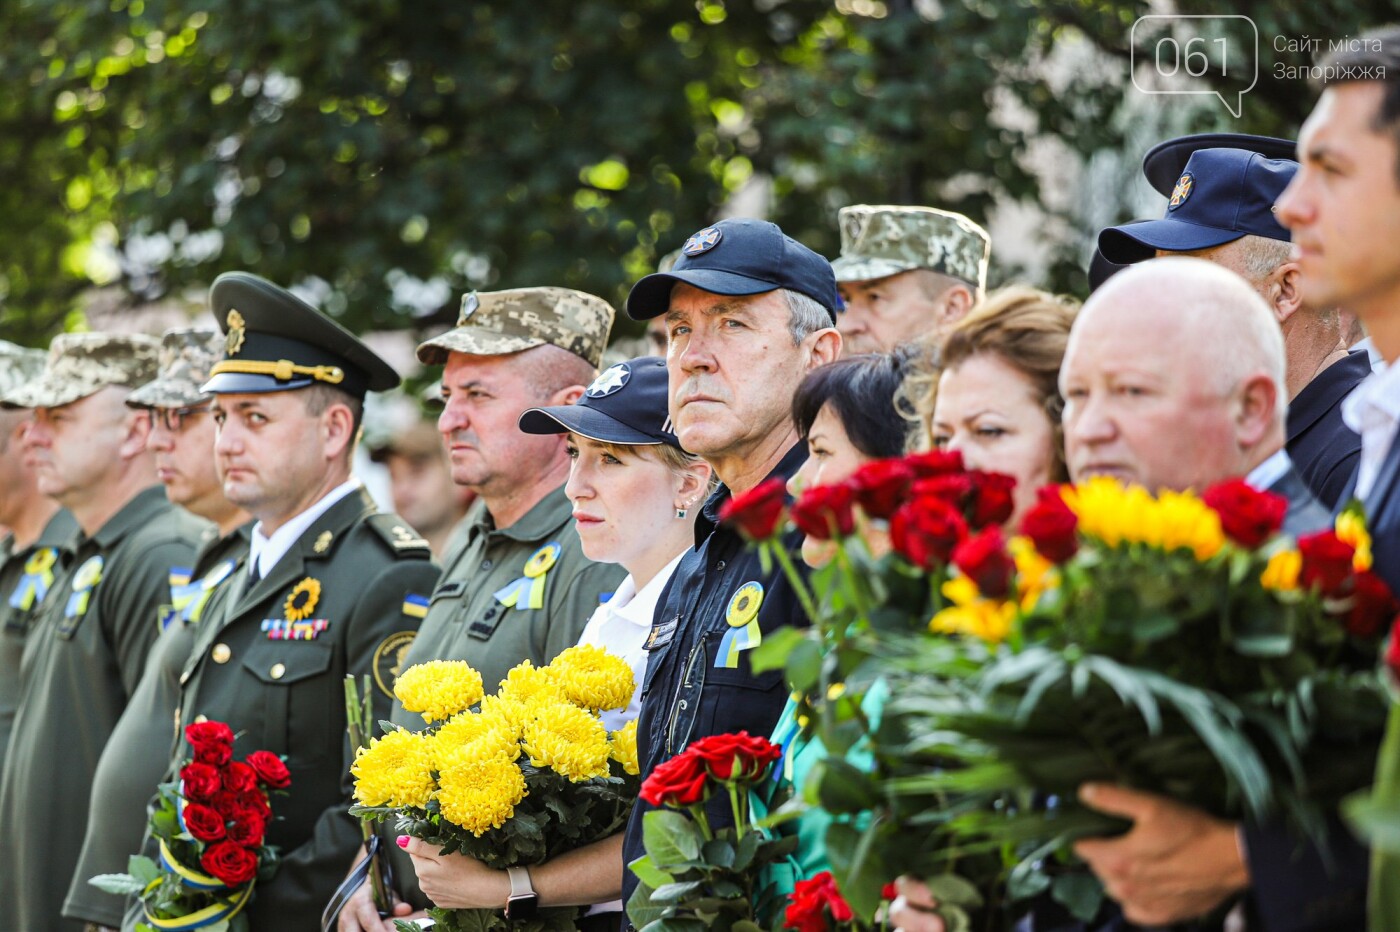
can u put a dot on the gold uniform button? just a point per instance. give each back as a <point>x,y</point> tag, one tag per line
<point>221,653</point>
<point>201,719</point>
<point>278,671</point>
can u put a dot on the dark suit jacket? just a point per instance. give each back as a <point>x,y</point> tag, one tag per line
<point>1324,450</point>
<point>1305,512</point>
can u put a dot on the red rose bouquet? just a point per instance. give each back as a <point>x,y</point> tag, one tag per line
<point>210,828</point>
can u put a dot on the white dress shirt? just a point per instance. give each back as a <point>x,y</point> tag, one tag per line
<point>1373,411</point>
<point>1262,477</point>
<point>265,551</point>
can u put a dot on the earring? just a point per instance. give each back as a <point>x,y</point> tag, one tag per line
<point>682,512</point>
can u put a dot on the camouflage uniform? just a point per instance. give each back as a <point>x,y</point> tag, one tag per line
<point>87,649</point>
<point>877,242</point>
<point>144,738</point>
<point>480,611</point>
<point>26,574</point>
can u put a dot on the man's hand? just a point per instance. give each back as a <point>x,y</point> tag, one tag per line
<point>359,914</point>
<point>912,910</point>
<point>455,881</point>
<point>1176,863</point>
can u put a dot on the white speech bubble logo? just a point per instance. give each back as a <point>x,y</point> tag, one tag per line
<point>1186,55</point>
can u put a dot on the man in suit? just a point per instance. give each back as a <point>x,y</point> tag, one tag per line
<point>1344,211</point>
<point>1221,188</point>
<point>329,586</point>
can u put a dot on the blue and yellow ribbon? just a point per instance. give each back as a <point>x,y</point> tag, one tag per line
<point>192,610</point>
<point>742,617</point>
<point>188,876</point>
<point>37,578</point>
<point>527,592</point>
<point>84,581</point>
<point>415,606</point>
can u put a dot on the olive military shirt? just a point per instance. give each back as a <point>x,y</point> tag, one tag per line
<point>483,613</point>
<point>281,688</point>
<point>26,576</point>
<point>145,737</point>
<point>82,661</point>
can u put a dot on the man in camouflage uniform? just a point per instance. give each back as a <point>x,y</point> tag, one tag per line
<point>519,587</point>
<point>134,761</point>
<point>87,649</point>
<point>905,274</point>
<point>329,586</point>
<point>32,552</point>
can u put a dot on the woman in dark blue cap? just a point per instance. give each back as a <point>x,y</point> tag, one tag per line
<point>634,493</point>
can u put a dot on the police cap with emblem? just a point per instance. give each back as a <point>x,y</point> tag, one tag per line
<point>627,404</point>
<point>1164,162</point>
<point>1220,196</point>
<point>275,342</point>
<point>738,256</point>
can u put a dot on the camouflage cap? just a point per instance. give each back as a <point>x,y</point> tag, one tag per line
<point>81,364</point>
<point>186,356</point>
<point>881,241</point>
<point>18,364</point>
<point>495,323</point>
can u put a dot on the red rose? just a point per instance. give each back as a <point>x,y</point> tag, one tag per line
<point>1326,562</point>
<point>227,803</point>
<point>954,488</point>
<point>1051,526</point>
<point>810,903</point>
<point>201,781</point>
<point>992,502</point>
<point>1373,606</point>
<point>925,531</point>
<point>881,486</point>
<point>934,463</point>
<point>1248,517</point>
<point>209,733</point>
<point>248,828</point>
<point>740,757</point>
<point>756,513</point>
<point>983,559</point>
<point>680,781</point>
<point>825,511</point>
<point>240,778</point>
<point>889,891</point>
<point>234,864</point>
<point>1392,652</point>
<point>270,769</point>
<point>203,822</point>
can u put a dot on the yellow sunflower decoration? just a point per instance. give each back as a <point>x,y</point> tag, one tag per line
<point>438,689</point>
<point>593,678</point>
<point>302,600</point>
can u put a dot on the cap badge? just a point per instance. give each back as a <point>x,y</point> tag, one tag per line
<point>470,303</point>
<point>1184,186</point>
<point>236,325</point>
<point>610,381</point>
<point>703,241</point>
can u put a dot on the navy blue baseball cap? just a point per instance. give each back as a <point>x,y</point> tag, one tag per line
<point>739,256</point>
<point>1220,196</point>
<point>1164,162</point>
<point>627,404</point>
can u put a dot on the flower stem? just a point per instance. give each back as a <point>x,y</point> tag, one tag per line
<point>794,579</point>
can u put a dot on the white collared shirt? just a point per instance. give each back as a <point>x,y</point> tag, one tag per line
<point>1377,360</point>
<point>1373,411</point>
<point>264,551</point>
<point>622,625</point>
<point>1262,477</point>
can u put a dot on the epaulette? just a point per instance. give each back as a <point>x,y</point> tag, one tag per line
<point>398,535</point>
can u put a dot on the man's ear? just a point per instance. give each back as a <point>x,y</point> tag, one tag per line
<point>954,305</point>
<point>138,431</point>
<point>337,429</point>
<point>1258,407</point>
<point>565,396</point>
<point>825,348</point>
<point>1285,297</point>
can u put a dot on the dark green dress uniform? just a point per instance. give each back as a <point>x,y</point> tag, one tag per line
<point>82,661</point>
<point>278,682</point>
<point>144,740</point>
<point>487,611</point>
<point>26,576</point>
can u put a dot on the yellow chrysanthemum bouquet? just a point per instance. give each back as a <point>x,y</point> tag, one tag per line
<point>511,779</point>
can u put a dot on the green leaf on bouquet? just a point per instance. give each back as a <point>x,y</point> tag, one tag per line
<point>842,787</point>
<point>671,893</point>
<point>772,651</point>
<point>118,884</point>
<point>955,918</point>
<point>804,666</point>
<point>142,868</point>
<point>954,891</point>
<point>648,873</point>
<point>1375,819</point>
<point>1079,892</point>
<point>670,837</point>
<point>675,925</point>
<point>719,852</point>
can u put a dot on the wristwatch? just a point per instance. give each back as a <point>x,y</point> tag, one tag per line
<point>523,900</point>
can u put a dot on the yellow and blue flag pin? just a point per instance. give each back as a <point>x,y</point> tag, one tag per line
<point>742,617</point>
<point>84,581</point>
<point>190,613</point>
<point>37,578</point>
<point>415,605</point>
<point>527,592</point>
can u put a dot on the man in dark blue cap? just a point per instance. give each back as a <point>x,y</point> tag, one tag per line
<point>1221,189</point>
<point>749,312</point>
<point>329,588</point>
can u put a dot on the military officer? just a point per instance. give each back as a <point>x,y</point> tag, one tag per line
<point>518,586</point>
<point>87,650</point>
<point>32,553</point>
<point>329,586</point>
<point>906,273</point>
<point>134,761</point>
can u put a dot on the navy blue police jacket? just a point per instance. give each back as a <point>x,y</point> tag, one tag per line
<point>1323,449</point>
<point>698,680</point>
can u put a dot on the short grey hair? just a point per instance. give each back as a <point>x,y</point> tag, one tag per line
<point>806,315</point>
<point>1260,255</point>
